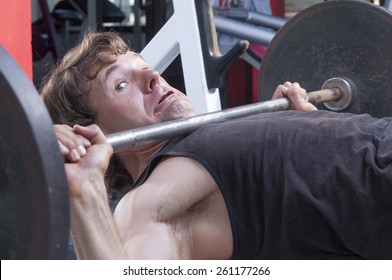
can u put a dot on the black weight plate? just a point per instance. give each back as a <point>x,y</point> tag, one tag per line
<point>335,38</point>
<point>34,211</point>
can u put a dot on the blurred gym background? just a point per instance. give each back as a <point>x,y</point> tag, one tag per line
<point>38,32</point>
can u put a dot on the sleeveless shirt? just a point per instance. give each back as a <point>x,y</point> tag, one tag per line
<point>314,185</point>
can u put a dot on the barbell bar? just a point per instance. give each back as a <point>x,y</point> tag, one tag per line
<point>336,93</point>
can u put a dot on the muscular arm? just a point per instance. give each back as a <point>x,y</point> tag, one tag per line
<point>179,213</point>
<point>94,232</point>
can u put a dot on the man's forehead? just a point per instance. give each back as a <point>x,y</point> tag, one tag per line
<point>138,55</point>
<point>112,67</point>
<point>128,55</point>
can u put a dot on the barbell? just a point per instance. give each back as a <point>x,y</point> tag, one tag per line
<point>338,94</point>
<point>34,216</point>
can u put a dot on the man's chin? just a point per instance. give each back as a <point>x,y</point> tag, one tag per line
<point>178,112</point>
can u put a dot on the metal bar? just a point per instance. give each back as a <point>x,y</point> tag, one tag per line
<point>324,95</point>
<point>265,20</point>
<point>126,140</point>
<point>388,5</point>
<point>244,30</point>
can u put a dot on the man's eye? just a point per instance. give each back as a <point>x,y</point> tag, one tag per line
<point>121,85</point>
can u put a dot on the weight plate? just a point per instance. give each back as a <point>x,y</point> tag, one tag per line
<point>34,210</point>
<point>352,39</point>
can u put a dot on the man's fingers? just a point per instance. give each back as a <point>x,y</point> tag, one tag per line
<point>301,91</point>
<point>63,149</point>
<point>72,145</point>
<point>280,91</point>
<point>92,133</point>
<point>74,141</point>
<point>297,95</point>
<point>74,153</point>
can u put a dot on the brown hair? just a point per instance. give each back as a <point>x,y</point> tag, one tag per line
<point>65,90</point>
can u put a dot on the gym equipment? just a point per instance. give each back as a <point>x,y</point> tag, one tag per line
<point>334,38</point>
<point>34,216</point>
<point>202,63</point>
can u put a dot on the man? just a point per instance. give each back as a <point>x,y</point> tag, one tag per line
<point>288,185</point>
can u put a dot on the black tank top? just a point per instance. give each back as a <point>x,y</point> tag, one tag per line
<point>314,185</point>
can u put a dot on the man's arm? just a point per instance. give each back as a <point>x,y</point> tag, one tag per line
<point>178,213</point>
<point>94,232</point>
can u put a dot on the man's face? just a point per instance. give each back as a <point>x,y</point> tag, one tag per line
<point>128,94</point>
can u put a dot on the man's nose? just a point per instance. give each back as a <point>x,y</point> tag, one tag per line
<point>151,80</point>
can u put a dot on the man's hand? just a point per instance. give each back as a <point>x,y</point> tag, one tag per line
<point>87,152</point>
<point>297,96</point>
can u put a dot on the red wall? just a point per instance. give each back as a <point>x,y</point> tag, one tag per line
<point>278,7</point>
<point>15,32</point>
<point>238,74</point>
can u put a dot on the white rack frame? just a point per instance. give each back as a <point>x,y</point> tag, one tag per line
<point>180,34</point>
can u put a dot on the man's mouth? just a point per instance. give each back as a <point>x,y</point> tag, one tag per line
<point>165,96</point>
